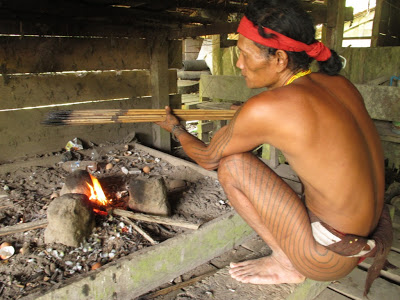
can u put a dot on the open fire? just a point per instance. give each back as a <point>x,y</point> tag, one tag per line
<point>98,197</point>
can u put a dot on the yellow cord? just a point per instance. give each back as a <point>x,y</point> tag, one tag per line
<point>297,75</point>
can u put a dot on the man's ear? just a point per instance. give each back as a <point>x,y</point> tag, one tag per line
<point>282,59</point>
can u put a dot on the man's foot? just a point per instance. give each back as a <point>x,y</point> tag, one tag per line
<point>266,270</point>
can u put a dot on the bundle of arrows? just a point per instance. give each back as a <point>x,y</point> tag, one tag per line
<point>109,116</point>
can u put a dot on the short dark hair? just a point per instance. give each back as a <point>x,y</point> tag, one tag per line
<point>289,18</point>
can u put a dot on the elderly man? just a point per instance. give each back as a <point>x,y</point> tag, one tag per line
<point>319,122</point>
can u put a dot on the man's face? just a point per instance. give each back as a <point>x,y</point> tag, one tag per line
<point>257,70</point>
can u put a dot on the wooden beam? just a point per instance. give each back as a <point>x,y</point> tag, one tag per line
<point>194,31</point>
<point>159,86</point>
<point>332,32</point>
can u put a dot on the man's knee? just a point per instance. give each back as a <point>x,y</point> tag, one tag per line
<point>226,167</point>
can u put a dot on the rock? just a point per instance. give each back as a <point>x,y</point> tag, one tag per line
<point>149,196</point>
<point>75,183</point>
<point>392,191</point>
<point>71,220</point>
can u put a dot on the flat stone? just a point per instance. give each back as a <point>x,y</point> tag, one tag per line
<point>71,220</point>
<point>149,196</point>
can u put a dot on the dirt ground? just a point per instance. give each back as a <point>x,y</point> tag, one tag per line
<point>26,192</point>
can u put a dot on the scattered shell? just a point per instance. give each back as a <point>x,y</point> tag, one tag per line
<point>54,195</point>
<point>134,171</point>
<point>127,153</point>
<point>6,250</point>
<point>5,244</point>
<point>96,266</point>
<point>146,169</point>
<point>124,170</point>
<point>109,166</point>
<point>126,147</point>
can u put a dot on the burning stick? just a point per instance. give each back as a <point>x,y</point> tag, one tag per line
<point>154,219</point>
<point>107,116</point>
<point>140,230</point>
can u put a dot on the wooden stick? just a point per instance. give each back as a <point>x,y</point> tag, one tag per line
<point>154,219</point>
<point>23,227</point>
<point>140,230</point>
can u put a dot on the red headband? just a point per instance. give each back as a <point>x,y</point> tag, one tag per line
<point>317,50</point>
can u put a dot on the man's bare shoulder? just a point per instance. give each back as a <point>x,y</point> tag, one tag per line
<point>281,114</point>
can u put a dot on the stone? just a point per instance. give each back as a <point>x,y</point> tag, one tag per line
<point>71,220</point>
<point>75,183</point>
<point>149,195</point>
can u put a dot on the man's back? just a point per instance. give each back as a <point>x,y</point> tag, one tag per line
<point>339,160</point>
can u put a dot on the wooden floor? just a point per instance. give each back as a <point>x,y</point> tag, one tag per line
<point>212,280</point>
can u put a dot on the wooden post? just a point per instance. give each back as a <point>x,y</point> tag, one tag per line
<point>376,23</point>
<point>332,31</point>
<point>216,55</point>
<point>160,85</point>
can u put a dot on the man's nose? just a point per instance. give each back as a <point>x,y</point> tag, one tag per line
<point>239,62</point>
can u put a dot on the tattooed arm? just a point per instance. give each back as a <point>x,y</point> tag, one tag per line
<point>237,137</point>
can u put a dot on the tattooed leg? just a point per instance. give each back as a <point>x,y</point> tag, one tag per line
<point>278,215</point>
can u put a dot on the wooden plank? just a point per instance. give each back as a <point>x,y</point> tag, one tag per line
<point>78,54</point>
<point>331,295</point>
<point>309,289</point>
<point>353,286</point>
<point>30,91</point>
<point>159,87</point>
<point>71,54</point>
<point>371,67</point>
<point>391,274</point>
<point>144,270</point>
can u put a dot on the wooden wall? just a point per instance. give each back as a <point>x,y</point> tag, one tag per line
<point>80,73</point>
<point>367,64</point>
<point>363,64</point>
<point>382,103</point>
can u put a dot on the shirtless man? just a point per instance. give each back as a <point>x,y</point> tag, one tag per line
<point>320,123</point>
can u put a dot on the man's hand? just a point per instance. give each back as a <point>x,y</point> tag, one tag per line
<point>170,120</point>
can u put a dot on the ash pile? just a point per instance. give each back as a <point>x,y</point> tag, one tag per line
<point>41,260</point>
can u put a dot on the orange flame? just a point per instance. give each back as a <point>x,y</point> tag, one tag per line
<point>96,192</point>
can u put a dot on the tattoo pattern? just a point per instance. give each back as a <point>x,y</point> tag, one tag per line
<point>283,213</point>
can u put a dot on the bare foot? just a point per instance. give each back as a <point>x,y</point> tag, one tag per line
<point>266,270</point>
